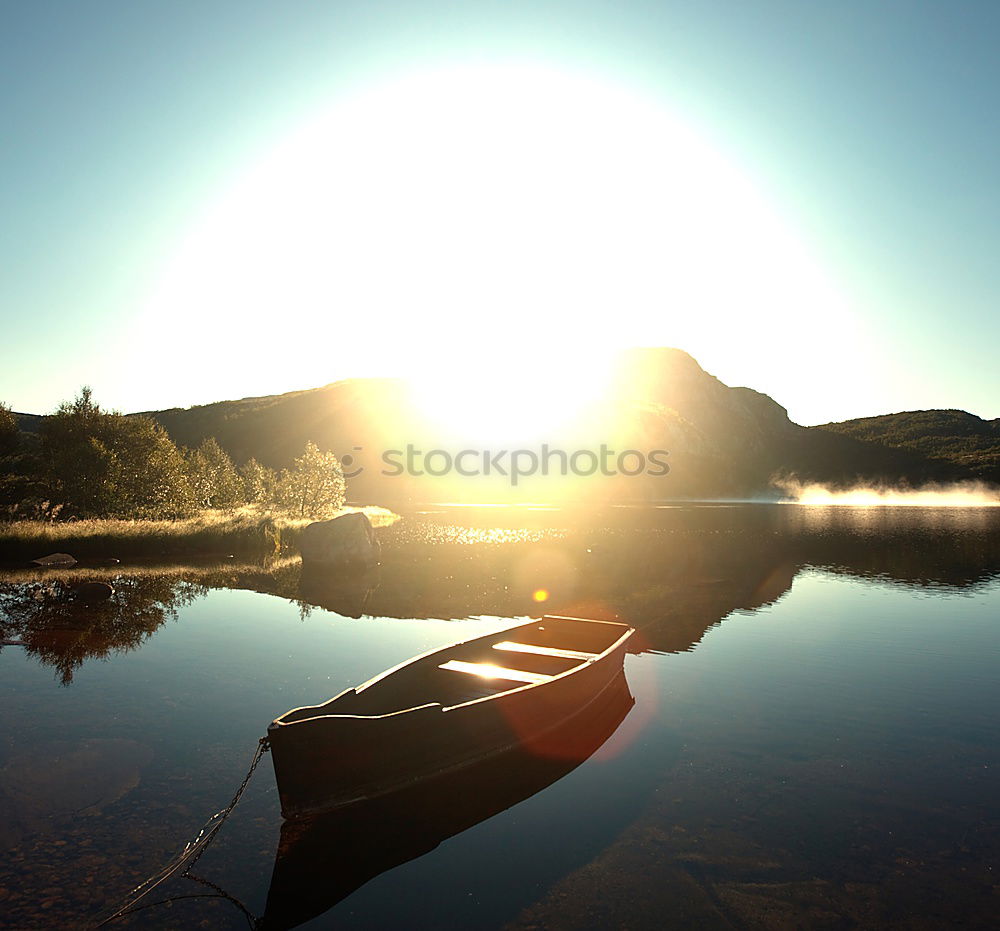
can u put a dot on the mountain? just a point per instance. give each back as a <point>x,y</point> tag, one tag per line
<point>720,441</point>
<point>956,437</point>
<point>683,433</point>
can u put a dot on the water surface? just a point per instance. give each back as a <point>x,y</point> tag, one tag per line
<point>813,741</point>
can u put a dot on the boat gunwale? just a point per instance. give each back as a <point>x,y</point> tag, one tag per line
<point>459,765</point>
<point>277,723</point>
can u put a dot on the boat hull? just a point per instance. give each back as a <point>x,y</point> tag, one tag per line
<point>328,761</point>
<point>320,861</point>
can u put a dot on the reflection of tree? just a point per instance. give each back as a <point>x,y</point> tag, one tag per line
<point>63,631</point>
<point>672,573</point>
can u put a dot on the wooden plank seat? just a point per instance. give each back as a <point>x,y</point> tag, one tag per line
<point>489,671</point>
<point>512,647</point>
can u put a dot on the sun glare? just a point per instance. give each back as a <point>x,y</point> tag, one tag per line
<point>481,224</point>
<point>527,394</point>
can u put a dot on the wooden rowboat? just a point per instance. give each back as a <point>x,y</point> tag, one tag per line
<point>321,861</point>
<point>442,711</point>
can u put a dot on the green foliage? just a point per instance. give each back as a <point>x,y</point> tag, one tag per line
<point>314,487</point>
<point>260,484</point>
<point>87,463</point>
<point>148,478</point>
<point>100,464</point>
<point>23,493</point>
<point>9,431</point>
<point>951,436</point>
<point>212,477</point>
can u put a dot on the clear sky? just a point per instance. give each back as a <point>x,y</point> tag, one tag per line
<point>209,200</point>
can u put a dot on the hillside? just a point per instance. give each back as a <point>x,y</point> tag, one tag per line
<point>29,423</point>
<point>956,437</point>
<point>720,441</point>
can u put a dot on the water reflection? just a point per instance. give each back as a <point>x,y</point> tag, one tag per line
<point>830,760</point>
<point>346,595</point>
<point>51,620</point>
<point>320,862</point>
<point>671,572</point>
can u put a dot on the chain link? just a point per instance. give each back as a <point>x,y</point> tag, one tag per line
<point>195,848</point>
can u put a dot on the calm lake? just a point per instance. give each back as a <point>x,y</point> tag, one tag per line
<point>814,740</point>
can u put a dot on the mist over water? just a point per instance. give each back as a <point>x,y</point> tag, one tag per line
<point>959,495</point>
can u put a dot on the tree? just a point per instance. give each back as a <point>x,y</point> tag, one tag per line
<point>76,459</point>
<point>22,491</point>
<point>10,433</point>
<point>147,478</point>
<point>101,464</point>
<point>212,477</point>
<point>314,487</point>
<point>259,482</point>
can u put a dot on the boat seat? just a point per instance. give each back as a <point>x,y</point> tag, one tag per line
<point>489,671</point>
<point>512,647</point>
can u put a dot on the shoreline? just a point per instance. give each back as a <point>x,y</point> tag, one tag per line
<point>246,532</point>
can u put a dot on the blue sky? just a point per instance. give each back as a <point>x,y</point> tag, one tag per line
<point>870,129</point>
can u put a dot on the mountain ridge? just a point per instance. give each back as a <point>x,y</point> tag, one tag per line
<point>722,440</point>
<point>947,434</point>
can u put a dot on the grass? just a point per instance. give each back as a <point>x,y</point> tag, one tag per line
<point>246,532</point>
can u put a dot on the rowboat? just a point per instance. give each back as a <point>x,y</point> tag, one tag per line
<point>442,711</point>
<point>321,861</point>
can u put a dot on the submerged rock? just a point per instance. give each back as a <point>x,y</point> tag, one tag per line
<point>66,778</point>
<point>93,592</point>
<point>55,560</point>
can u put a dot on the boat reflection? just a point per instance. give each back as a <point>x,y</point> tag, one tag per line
<point>321,861</point>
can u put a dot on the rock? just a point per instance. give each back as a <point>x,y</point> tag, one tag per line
<point>54,561</point>
<point>93,592</point>
<point>345,540</point>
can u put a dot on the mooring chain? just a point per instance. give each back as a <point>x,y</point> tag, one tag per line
<point>221,893</point>
<point>197,847</point>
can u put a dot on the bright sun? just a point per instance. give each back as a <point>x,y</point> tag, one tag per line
<point>491,229</point>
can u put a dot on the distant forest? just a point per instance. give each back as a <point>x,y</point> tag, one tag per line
<point>956,437</point>
<point>84,462</point>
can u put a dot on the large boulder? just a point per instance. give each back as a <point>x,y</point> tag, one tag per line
<point>345,540</point>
